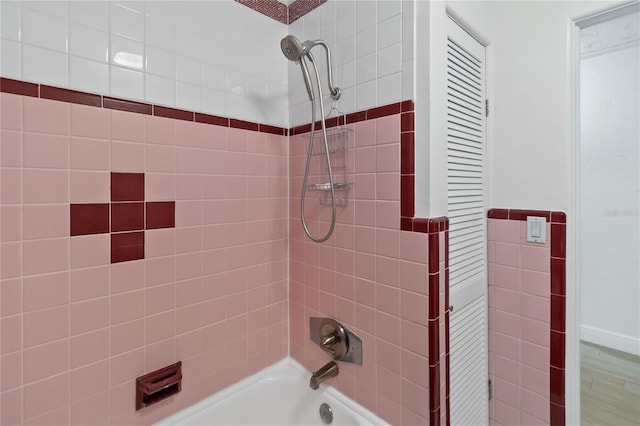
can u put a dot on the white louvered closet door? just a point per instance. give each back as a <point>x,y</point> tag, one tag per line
<point>466,151</point>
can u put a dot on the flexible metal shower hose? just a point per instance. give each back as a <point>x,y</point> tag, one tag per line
<point>328,159</point>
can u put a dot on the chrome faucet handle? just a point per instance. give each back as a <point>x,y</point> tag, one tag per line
<point>329,341</point>
<point>336,340</point>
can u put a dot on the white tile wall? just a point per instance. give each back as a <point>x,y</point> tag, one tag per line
<point>126,83</point>
<point>126,22</point>
<point>10,22</point>
<point>10,58</point>
<point>218,57</point>
<point>88,75</point>
<point>372,46</point>
<point>88,42</point>
<point>93,14</point>
<point>160,90</point>
<point>161,62</point>
<point>189,96</point>
<point>42,30</point>
<point>45,66</point>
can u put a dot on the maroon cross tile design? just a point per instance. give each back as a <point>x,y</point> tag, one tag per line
<point>126,217</point>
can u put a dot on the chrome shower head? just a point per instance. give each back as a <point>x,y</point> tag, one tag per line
<point>292,48</point>
<point>296,51</point>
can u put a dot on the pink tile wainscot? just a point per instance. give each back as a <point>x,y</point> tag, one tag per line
<point>382,282</point>
<point>526,319</point>
<point>185,289</point>
<point>77,329</point>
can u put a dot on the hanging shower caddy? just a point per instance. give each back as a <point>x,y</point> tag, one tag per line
<point>339,142</point>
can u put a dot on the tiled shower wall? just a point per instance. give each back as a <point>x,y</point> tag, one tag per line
<point>374,278</point>
<point>526,319</point>
<point>78,324</point>
<point>373,54</point>
<point>196,55</point>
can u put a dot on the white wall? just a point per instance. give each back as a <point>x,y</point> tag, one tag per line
<point>529,84</point>
<point>372,48</point>
<point>610,188</point>
<point>218,57</point>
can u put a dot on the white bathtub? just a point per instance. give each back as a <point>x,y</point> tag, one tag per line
<point>278,395</point>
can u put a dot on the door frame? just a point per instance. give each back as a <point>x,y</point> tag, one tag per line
<point>572,341</point>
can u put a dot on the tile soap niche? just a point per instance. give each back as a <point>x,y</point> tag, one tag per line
<point>339,142</point>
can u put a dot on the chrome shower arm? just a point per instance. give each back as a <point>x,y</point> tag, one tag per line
<point>335,91</point>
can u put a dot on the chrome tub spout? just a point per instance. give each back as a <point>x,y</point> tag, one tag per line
<point>328,371</point>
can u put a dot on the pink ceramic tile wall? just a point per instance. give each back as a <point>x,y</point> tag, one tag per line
<point>519,324</point>
<point>76,329</point>
<point>369,275</point>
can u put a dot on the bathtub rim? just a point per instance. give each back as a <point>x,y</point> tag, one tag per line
<point>266,374</point>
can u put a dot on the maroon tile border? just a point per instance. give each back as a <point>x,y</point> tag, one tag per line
<point>557,358</point>
<point>407,122</point>
<point>557,288</point>
<point>407,153</point>
<point>515,214</point>
<point>407,203</point>
<point>557,414</point>
<point>406,106</point>
<point>447,339</point>
<point>127,105</point>
<point>43,91</point>
<point>385,110</point>
<point>558,217</point>
<point>355,117</point>
<point>434,227</point>
<point>558,276</point>
<point>427,226</point>
<point>434,301</point>
<point>498,214</point>
<point>299,8</point>
<point>281,12</point>
<point>434,253</point>
<point>434,418</point>
<point>18,87</point>
<point>447,360</point>
<point>73,96</point>
<point>434,388</point>
<point>407,168</point>
<point>211,119</point>
<point>244,125</point>
<point>178,114</point>
<point>274,130</point>
<point>271,8</point>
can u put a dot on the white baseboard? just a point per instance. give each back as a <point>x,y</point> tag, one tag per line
<point>609,339</point>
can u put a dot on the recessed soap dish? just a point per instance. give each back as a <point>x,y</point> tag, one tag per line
<point>158,385</point>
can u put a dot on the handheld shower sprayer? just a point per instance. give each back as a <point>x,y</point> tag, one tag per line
<point>299,52</point>
<point>296,51</point>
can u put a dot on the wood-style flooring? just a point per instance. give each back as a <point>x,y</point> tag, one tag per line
<point>610,387</point>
